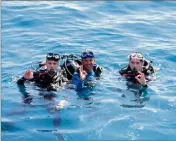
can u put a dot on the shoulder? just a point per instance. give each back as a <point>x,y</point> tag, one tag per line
<point>124,70</point>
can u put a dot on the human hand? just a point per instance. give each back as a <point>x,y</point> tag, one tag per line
<point>82,73</point>
<point>28,75</point>
<point>141,78</point>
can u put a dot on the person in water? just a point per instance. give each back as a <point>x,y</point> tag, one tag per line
<point>87,72</point>
<point>139,70</point>
<point>49,78</point>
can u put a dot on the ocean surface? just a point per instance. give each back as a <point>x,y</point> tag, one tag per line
<point>112,30</point>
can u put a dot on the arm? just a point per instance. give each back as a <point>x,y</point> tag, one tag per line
<point>79,77</point>
<point>29,75</point>
<point>77,81</point>
<point>21,81</point>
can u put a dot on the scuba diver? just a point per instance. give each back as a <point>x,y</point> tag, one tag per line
<point>139,70</point>
<point>71,64</point>
<point>138,73</point>
<point>49,77</point>
<point>87,72</point>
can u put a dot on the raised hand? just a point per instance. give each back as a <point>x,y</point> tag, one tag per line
<point>141,78</point>
<point>82,73</point>
<point>28,75</point>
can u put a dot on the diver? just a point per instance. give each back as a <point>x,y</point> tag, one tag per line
<point>49,77</point>
<point>87,72</point>
<point>138,73</point>
<point>72,64</point>
<point>139,70</point>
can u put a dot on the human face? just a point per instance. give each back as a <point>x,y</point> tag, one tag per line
<point>52,65</point>
<point>88,64</point>
<point>136,63</point>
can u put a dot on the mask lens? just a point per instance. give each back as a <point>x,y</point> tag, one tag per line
<point>87,55</point>
<point>56,56</point>
<point>91,53</point>
<point>51,56</point>
<point>84,54</point>
<point>137,55</point>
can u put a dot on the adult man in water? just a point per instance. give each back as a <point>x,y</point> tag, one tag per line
<point>87,72</point>
<point>138,70</point>
<point>48,78</point>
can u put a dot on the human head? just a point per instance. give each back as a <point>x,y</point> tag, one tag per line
<point>88,60</point>
<point>136,61</point>
<point>52,62</point>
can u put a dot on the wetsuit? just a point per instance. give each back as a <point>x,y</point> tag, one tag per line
<point>97,70</point>
<point>130,74</point>
<point>44,80</point>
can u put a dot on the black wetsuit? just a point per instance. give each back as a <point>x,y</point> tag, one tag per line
<point>44,80</point>
<point>131,74</point>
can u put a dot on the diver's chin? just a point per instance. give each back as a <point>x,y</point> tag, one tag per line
<point>134,69</point>
<point>89,69</point>
<point>51,72</point>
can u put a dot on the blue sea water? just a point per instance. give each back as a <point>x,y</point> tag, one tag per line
<point>112,29</point>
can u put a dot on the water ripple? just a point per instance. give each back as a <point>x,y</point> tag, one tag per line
<point>112,30</point>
